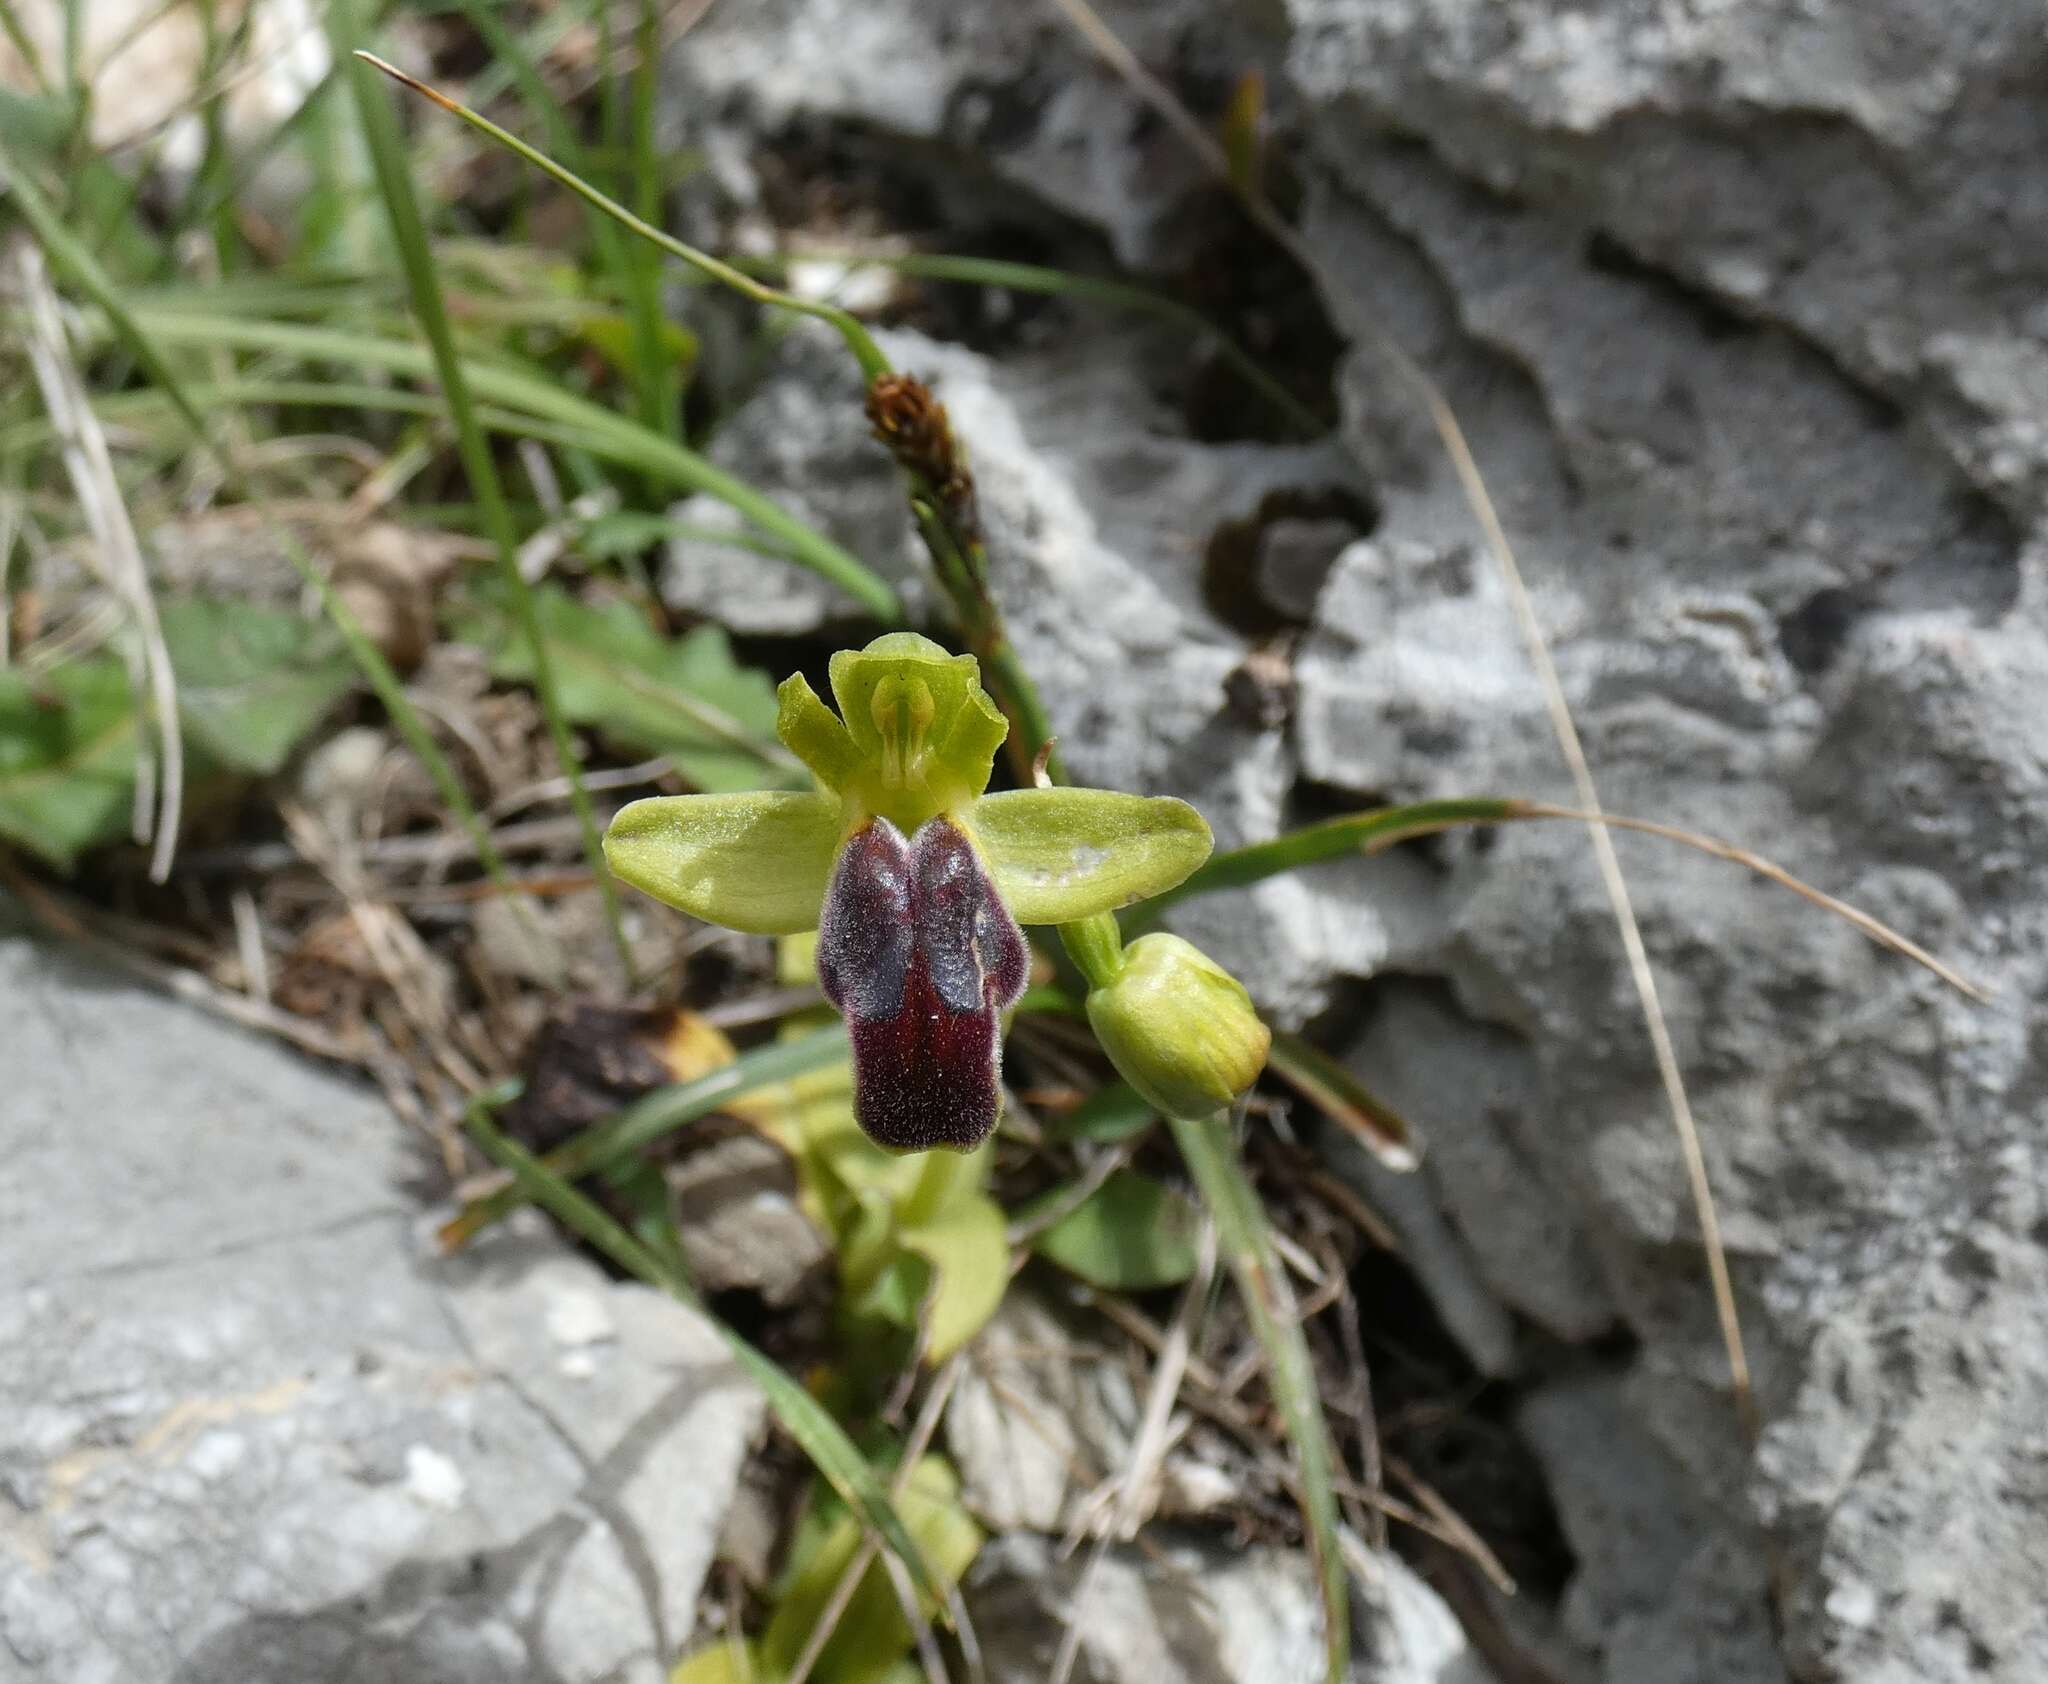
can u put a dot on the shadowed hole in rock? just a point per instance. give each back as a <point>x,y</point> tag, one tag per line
<point>845,186</point>
<point>1812,635</point>
<point>1248,289</point>
<point>1455,1429</point>
<point>1262,573</point>
<point>848,184</point>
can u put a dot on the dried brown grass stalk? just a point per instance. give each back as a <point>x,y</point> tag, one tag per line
<point>1162,100</point>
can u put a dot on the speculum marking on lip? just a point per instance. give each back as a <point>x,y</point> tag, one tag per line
<point>918,951</point>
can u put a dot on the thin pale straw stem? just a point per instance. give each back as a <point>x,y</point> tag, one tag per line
<point>921,1432</point>
<point>1162,100</point>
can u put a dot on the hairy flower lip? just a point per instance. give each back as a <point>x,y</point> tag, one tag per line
<point>918,951</point>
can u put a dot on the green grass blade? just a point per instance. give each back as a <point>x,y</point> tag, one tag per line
<point>1242,1235</point>
<point>510,57</point>
<point>394,181</point>
<point>660,1113</point>
<point>653,374</point>
<point>618,438</point>
<point>1236,868</point>
<point>1062,283</point>
<point>869,355</point>
<point>820,1437</point>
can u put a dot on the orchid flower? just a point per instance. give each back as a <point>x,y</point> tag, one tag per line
<point>914,877</point>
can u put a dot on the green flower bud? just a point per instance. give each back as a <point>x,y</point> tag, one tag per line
<point>1179,1027</point>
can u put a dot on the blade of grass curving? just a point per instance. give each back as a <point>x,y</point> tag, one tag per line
<point>660,1113</point>
<point>117,557</point>
<point>869,355</point>
<point>619,438</point>
<point>82,269</point>
<point>510,56</point>
<point>1238,868</point>
<point>1063,283</point>
<point>1383,826</point>
<point>1876,929</point>
<point>1479,500</point>
<point>394,181</point>
<point>1345,1100</point>
<point>653,373</point>
<point>1207,1145</point>
<point>821,1438</point>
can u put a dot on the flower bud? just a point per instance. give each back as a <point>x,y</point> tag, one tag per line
<point>1179,1027</point>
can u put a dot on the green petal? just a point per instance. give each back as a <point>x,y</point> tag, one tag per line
<point>968,751</point>
<point>964,728</point>
<point>1063,854</point>
<point>757,862</point>
<point>815,734</point>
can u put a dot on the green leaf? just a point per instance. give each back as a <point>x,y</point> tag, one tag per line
<point>757,862</point>
<point>67,758</point>
<point>684,697</point>
<point>252,681</point>
<point>1131,1234</point>
<point>964,1242</point>
<point>728,1661</point>
<point>872,1636</point>
<point>1113,1114</point>
<point>1060,855</point>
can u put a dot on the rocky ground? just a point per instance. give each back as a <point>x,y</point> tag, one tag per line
<point>1742,304</point>
<point>1742,307</point>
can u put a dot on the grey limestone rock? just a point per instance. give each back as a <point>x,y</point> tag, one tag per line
<point>252,1428</point>
<point>1190,1614</point>
<point>1740,305</point>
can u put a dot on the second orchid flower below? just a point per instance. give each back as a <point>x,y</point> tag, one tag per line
<point>915,878</point>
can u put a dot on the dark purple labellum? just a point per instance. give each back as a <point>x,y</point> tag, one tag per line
<point>919,952</point>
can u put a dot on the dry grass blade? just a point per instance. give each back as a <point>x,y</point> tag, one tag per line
<point>1480,501</point>
<point>1346,1101</point>
<point>1453,1526</point>
<point>116,553</point>
<point>920,1439</point>
<point>1378,828</point>
<point>75,922</point>
<point>1247,1242</point>
<point>1878,931</point>
<point>392,170</point>
<point>1148,1449</point>
<point>866,352</point>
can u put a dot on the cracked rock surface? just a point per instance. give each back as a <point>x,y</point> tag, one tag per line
<point>1741,305</point>
<point>252,1428</point>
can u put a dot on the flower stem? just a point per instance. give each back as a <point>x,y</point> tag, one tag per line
<point>1096,946</point>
